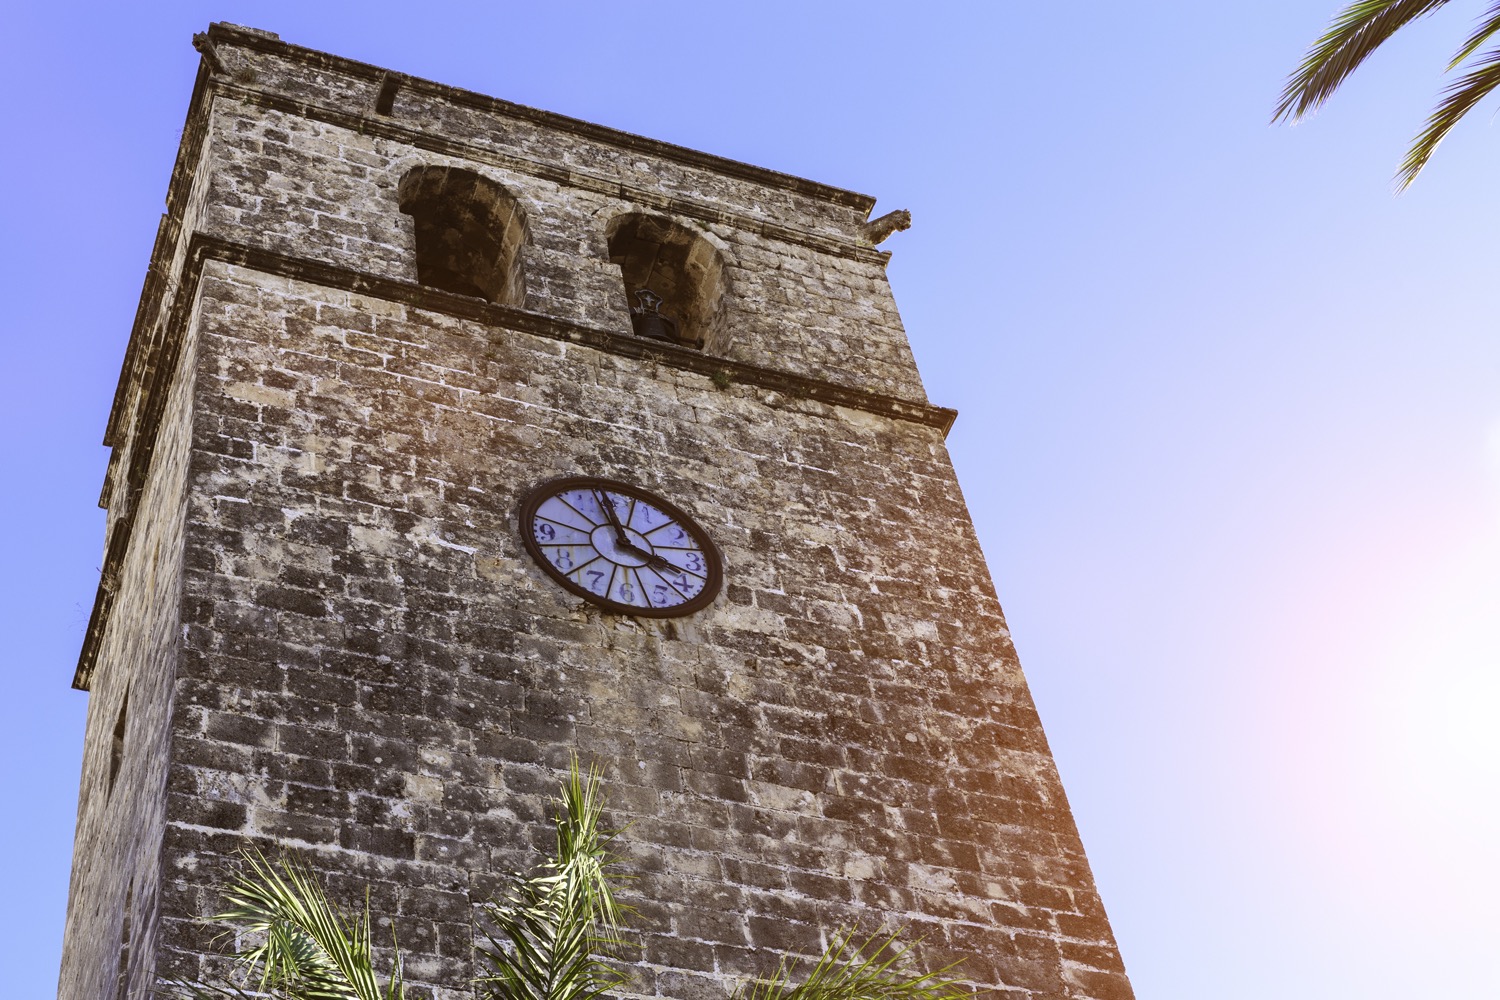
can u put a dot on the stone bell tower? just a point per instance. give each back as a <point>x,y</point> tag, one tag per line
<point>454,436</point>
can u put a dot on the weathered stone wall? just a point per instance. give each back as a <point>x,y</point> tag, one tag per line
<point>364,664</point>
<point>116,850</point>
<point>148,353</point>
<point>375,671</point>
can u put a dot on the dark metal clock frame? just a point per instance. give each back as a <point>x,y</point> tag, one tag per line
<point>714,574</point>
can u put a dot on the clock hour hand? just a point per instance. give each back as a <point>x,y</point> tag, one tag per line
<point>653,560</point>
<point>656,562</point>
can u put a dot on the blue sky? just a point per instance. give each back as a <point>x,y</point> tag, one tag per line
<point>1229,421</point>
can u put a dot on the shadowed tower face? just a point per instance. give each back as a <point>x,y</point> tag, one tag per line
<point>409,499</point>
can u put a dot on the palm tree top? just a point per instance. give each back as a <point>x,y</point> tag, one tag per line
<point>1361,28</point>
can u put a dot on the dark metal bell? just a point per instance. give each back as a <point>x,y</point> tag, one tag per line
<point>647,321</point>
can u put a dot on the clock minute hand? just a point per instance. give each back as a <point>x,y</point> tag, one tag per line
<point>602,499</point>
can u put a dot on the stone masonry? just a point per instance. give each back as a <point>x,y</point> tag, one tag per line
<point>317,625</point>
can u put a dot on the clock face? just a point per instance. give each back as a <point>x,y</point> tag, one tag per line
<point>620,547</point>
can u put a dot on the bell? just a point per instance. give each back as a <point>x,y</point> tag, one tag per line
<point>646,319</point>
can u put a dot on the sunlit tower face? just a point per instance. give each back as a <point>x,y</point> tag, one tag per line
<point>408,507</point>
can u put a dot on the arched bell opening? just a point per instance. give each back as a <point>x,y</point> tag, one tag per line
<point>469,231</point>
<point>673,277</point>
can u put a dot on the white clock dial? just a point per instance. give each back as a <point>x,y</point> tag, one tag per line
<point>620,547</point>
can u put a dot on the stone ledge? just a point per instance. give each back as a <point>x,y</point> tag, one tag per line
<point>205,248</point>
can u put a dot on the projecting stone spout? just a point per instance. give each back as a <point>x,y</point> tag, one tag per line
<point>876,230</point>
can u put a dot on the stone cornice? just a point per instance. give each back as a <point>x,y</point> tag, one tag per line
<point>168,232</point>
<point>202,249</point>
<point>266,43</point>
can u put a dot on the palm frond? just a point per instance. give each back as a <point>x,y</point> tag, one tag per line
<point>1458,98</point>
<point>1489,24</point>
<point>549,937</point>
<point>309,950</point>
<point>540,949</point>
<point>876,968</point>
<point>181,990</point>
<point>583,844</point>
<point>1356,32</point>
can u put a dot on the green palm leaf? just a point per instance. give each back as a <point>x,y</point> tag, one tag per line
<point>1489,23</point>
<point>548,938</point>
<point>873,969</point>
<point>309,950</point>
<point>1357,31</point>
<point>1458,97</point>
